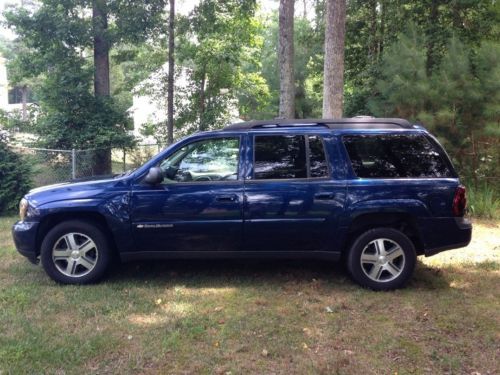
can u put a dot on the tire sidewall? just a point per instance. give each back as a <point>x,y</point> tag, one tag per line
<point>354,257</point>
<point>90,230</point>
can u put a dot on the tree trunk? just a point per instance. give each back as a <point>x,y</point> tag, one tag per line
<point>102,158</point>
<point>372,47</point>
<point>170,88</point>
<point>432,31</point>
<point>333,89</point>
<point>383,11</point>
<point>285,59</point>
<point>202,101</point>
<point>24,103</point>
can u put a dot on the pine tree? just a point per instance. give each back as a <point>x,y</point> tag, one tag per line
<point>403,88</point>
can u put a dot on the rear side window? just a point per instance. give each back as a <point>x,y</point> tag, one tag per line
<point>317,158</point>
<point>395,156</point>
<point>285,157</point>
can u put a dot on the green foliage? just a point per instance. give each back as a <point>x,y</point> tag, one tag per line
<point>373,26</point>
<point>56,42</point>
<point>459,100</point>
<point>431,61</point>
<point>13,120</point>
<point>483,201</point>
<point>308,68</point>
<point>215,41</point>
<point>15,177</point>
<point>403,87</point>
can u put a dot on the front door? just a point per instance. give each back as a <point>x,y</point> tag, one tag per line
<point>198,207</point>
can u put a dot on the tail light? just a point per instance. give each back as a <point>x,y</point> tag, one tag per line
<point>459,201</point>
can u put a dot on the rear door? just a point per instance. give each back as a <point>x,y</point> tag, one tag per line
<point>291,200</point>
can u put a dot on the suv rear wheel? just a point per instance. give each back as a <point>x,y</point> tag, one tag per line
<point>382,259</point>
<point>75,252</point>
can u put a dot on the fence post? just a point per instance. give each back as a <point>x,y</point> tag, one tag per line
<point>73,163</point>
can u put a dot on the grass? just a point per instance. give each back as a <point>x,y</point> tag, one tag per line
<point>253,317</point>
<point>484,201</point>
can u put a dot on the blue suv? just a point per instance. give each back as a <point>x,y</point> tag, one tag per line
<point>375,192</point>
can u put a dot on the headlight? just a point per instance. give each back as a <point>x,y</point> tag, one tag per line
<point>23,209</point>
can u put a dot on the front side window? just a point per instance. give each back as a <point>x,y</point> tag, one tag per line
<point>395,156</point>
<point>289,156</point>
<point>208,160</point>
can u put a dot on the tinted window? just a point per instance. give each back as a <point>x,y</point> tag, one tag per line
<point>395,156</point>
<point>210,160</point>
<point>319,168</point>
<point>280,157</point>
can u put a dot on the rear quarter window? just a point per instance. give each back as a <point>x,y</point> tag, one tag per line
<point>396,156</point>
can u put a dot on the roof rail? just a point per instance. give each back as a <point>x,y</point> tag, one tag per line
<point>342,123</point>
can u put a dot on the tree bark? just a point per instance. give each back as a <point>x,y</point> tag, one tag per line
<point>372,47</point>
<point>24,103</point>
<point>170,83</point>
<point>202,101</point>
<point>102,157</point>
<point>383,11</point>
<point>333,88</point>
<point>285,59</point>
<point>431,36</point>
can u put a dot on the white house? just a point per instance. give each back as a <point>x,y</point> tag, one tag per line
<point>11,98</point>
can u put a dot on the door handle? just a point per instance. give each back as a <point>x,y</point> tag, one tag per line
<point>324,196</point>
<point>226,198</point>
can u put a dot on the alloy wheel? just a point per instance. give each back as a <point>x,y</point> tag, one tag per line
<point>382,260</point>
<point>75,254</point>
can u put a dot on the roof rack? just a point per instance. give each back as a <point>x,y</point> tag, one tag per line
<point>360,122</point>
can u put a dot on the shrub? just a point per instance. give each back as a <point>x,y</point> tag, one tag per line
<point>15,177</point>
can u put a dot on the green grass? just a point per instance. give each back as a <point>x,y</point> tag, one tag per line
<point>483,201</point>
<point>253,317</point>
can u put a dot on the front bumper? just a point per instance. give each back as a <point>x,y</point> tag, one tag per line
<point>440,234</point>
<point>24,235</point>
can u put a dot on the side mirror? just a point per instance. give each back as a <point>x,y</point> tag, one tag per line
<point>154,176</point>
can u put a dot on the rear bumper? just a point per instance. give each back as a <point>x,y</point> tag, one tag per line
<point>441,234</point>
<point>24,235</point>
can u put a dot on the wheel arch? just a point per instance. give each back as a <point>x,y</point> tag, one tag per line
<point>95,218</point>
<point>402,221</point>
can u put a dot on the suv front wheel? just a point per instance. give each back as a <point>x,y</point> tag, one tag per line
<point>382,259</point>
<point>75,252</point>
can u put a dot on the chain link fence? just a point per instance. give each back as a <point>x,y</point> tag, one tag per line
<point>51,166</point>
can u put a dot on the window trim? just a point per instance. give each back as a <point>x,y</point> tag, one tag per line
<point>436,146</point>
<point>238,168</point>
<point>306,136</point>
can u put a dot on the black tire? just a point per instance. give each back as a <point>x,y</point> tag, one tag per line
<point>382,270</point>
<point>86,267</point>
